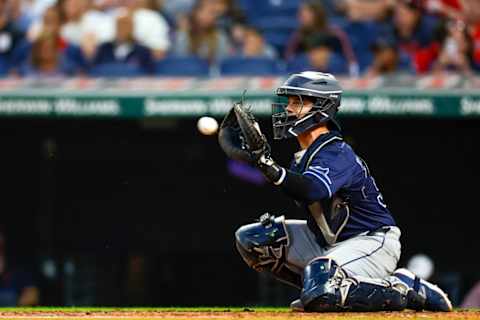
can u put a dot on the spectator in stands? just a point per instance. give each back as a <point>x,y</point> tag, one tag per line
<point>16,286</point>
<point>158,6</point>
<point>47,50</point>
<point>457,52</point>
<point>237,35</point>
<point>51,22</point>
<point>447,8</point>
<point>227,12</point>
<point>321,55</point>
<point>372,10</point>
<point>73,25</point>
<point>201,36</point>
<point>254,44</point>
<point>34,10</point>
<point>313,22</point>
<point>470,10</point>
<point>150,28</point>
<point>124,49</point>
<point>10,39</point>
<point>82,25</point>
<point>467,11</point>
<point>387,58</point>
<point>19,15</point>
<point>417,34</point>
<point>179,8</point>
<point>471,16</point>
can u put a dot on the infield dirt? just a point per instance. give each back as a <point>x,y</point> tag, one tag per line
<point>221,315</point>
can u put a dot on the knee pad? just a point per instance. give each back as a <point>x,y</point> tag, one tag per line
<point>321,284</point>
<point>326,287</point>
<point>263,246</point>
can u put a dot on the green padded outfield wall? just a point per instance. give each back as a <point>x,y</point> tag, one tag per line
<point>190,97</point>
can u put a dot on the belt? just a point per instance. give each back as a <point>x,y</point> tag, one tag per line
<point>383,229</point>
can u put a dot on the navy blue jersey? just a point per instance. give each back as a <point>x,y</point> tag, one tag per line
<point>336,171</point>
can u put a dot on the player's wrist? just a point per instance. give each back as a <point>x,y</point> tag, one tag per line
<point>271,170</point>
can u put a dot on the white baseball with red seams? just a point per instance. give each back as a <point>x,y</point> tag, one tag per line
<point>207,125</point>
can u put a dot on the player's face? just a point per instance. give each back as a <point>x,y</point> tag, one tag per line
<point>299,106</point>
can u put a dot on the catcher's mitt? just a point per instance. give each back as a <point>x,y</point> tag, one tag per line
<point>231,139</point>
<point>255,141</point>
<point>241,139</point>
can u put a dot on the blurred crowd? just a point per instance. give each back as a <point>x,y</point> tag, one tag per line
<point>238,37</point>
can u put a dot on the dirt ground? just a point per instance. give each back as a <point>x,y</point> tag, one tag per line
<point>143,315</point>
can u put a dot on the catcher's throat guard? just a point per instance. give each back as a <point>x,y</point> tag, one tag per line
<point>326,92</point>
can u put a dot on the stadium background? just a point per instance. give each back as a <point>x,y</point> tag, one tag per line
<point>115,199</point>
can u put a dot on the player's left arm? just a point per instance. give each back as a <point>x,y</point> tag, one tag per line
<point>310,186</point>
<point>321,180</point>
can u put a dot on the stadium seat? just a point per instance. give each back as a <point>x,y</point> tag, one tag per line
<point>73,61</point>
<point>276,30</point>
<point>405,63</point>
<point>284,23</point>
<point>116,70</point>
<point>16,58</point>
<point>249,66</point>
<point>182,66</point>
<point>3,67</point>
<point>278,40</point>
<point>256,9</point>
<point>298,64</point>
<point>20,54</point>
<point>362,35</point>
<point>337,64</point>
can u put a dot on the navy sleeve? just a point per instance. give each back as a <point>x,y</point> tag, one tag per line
<point>330,171</point>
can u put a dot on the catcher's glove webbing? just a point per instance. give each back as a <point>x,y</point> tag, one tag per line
<point>231,139</point>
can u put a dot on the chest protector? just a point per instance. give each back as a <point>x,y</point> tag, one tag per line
<point>327,217</point>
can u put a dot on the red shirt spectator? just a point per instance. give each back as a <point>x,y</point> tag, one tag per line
<point>476,43</point>
<point>415,32</point>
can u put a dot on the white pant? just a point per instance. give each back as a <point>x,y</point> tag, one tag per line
<point>372,256</point>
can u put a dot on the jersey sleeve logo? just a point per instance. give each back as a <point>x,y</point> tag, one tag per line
<point>321,174</point>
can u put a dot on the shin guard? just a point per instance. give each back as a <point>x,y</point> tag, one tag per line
<point>326,287</point>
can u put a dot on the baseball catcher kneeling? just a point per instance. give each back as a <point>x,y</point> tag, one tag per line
<point>344,254</point>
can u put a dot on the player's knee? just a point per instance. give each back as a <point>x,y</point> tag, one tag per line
<point>317,290</point>
<point>262,245</point>
<point>244,244</point>
<point>243,237</point>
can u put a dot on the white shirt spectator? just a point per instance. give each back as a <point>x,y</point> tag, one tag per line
<point>151,29</point>
<point>93,22</point>
<point>36,8</point>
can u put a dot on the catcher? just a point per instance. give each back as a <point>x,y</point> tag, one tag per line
<point>344,254</point>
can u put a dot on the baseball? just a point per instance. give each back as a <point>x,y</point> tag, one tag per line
<point>207,125</point>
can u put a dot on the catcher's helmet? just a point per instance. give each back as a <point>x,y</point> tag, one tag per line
<point>326,91</point>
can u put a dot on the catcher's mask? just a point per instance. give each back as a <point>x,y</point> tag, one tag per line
<point>320,87</point>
